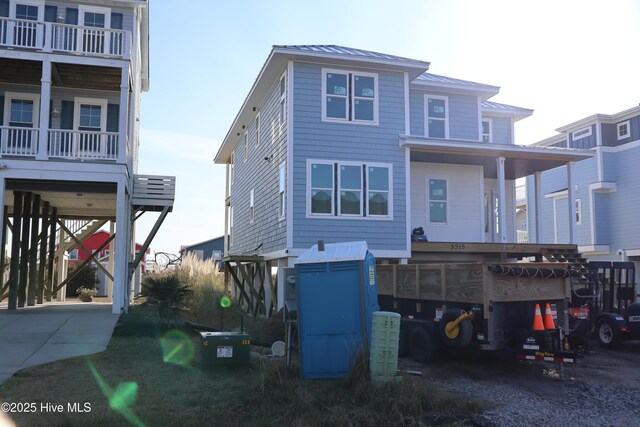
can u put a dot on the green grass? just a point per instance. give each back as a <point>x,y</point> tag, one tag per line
<point>130,384</point>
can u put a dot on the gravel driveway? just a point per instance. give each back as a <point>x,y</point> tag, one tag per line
<point>603,389</point>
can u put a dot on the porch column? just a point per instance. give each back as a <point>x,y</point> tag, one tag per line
<point>42,256</point>
<point>61,294</point>
<point>124,113</point>
<point>573,231</point>
<point>502,201</point>
<point>45,101</point>
<point>33,251</point>
<point>24,249</point>
<point>538,201</point>
<point>281,283</point>
<point>14,273</point>
<point>52,254</point>
<point>111,260</point>
<point>121,273</point>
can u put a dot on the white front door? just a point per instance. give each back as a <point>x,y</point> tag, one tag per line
<point>21,118</point>
<point>93,36</point>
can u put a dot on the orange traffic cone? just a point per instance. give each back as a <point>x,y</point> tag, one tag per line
<point>548,318</point>
<point>537,320</point>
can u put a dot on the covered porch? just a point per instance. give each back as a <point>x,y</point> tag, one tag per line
<point>490,185</point>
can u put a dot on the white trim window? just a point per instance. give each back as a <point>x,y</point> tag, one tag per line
<point>90,119</point>
<point>623,130</point>
<point>73,255</point>
<point>245,143</point>
<point>581,133</point>
<point>283,101</point>
<point>257,130</point>
<point>436,116</point>
<point>21,116</point>
<point>252,206</point>
<point>437,201</point>
<point>487,130</point>
<point>349,96</point>
<point>282,205</point>
<point>24,32</point>
<point>578,211</point>
<point>349,189</point>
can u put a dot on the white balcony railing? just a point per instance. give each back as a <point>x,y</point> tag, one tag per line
<point>48,36</point>
<point>18,141</point>
<point>73,144</point>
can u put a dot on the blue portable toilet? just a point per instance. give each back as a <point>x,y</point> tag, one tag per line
<point>337,295</point>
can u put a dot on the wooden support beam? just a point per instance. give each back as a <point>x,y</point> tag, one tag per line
<point>79,244</point>
<point>147,242</point>
<point>14,274</point>
<point>52,254</point>
<point>24,249</point>
<point>3,245</point>
<point>92,257</point>
<point>43,253</point>
<point>33,251</point>
<point>239,286</point>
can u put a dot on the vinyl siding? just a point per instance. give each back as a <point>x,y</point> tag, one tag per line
<point>624,204</point>
<point>315,139</point>
<point>583,143</point>
<point>463,114</point>
<point>464,201</point>
<point>610,132</point>
<point>501,128</point>
<point>267,231</point>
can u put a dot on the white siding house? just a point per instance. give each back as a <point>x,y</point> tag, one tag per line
<point>71,77</point>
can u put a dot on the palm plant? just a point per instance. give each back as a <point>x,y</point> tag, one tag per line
<point>167,292</point>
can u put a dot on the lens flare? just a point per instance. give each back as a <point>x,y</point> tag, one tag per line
<point>177,348</point>
<point>225,302</point>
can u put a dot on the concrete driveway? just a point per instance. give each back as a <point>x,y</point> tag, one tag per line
<point>45,333</point>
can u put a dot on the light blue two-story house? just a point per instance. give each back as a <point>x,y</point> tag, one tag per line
<point>343,144</point>
<point>605,224</point>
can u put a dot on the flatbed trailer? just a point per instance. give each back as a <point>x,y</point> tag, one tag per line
<point>480,305</point>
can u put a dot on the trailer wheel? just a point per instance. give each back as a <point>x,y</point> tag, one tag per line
<point>403,342</point>
<point>460,336</point>
<point>422,345</point>
<point>608,335</point>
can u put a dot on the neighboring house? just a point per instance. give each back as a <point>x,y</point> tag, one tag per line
<point>71,78</point>
<point>209,249</point>
<point>96,241</point>
<point>606,191</point>
<point>521,213</point>
<point>343,144</point>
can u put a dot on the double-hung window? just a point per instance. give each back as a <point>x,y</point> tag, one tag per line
<point>349,189</point>
<point>252,206</point>
<point>257,124</point>
<point>623,130</point>
<point>487,130</point>
<point>438,201</point>
<point>283,101</point>
<point>245,142</point>
<point>436,117</point>
<point>349,96</point>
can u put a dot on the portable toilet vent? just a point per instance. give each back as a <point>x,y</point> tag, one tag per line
<point>337,295</point>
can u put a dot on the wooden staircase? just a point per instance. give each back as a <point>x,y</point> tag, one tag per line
<point>577,263</point>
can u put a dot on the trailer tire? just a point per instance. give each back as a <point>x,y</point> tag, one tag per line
<point>464,331</point>
<point>609,336</point>
<point>422,345</point>
<point>403,341</point>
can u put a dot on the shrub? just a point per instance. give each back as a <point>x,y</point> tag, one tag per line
<point>167,292</point>
<point>85,278</point>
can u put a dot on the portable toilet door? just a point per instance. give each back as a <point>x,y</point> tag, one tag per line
<point>337,294</point>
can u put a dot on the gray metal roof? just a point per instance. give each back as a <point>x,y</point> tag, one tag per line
<point>349,52</point>
<point>429,77</point>
<point>490,105</point>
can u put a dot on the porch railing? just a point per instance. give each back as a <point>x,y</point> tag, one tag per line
<point>87,145</point>
<point>18,141</point>
<point>51,36</point>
